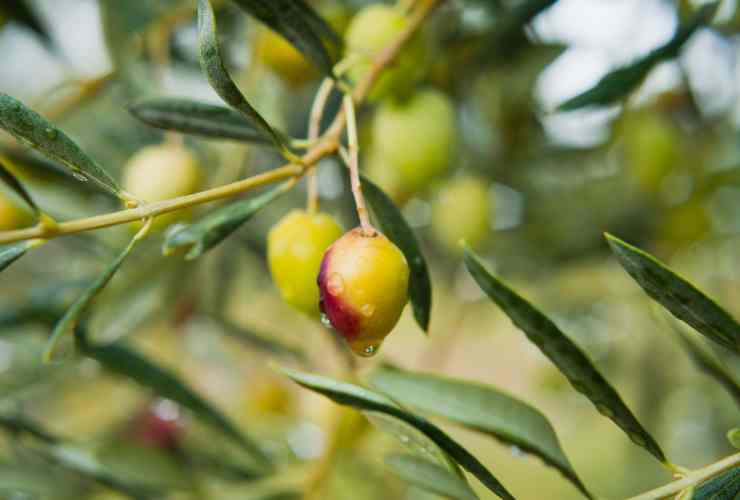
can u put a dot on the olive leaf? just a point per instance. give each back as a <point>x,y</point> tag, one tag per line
<point>682,299</point>
<point>36,131</point>
<point>481,408</point>
<point>13,183</point>
<point>708,363</point>
<point>197,118</point>
<point>122,360</point>
<point>564,354</point>
<point>218,76</point>
<point>726,486</point>
<point>11,253</point>
<point>85,463</point>
<point>80,305</point>
<point>430,477</point>
<point>212,229</point>
<point>298,23</point>
<point>395,227</point>
<point>619,83</point>
<point>508,32</point>
<point>364,399</point>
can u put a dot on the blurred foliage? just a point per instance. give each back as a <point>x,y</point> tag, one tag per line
<point>535,157</point>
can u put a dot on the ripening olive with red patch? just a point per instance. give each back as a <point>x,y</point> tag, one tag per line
<point>416,137</point>
<point>364,283</point>
<point>371,31</point>
<point>162,172</point>
<point>295,247</point>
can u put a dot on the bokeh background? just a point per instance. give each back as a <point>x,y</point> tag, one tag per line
<point>661,170</point>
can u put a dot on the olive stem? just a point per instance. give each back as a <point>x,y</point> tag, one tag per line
<point>327,145</point>
<point>314,130</point>
<point>354,166</point>
<point>691,479</point>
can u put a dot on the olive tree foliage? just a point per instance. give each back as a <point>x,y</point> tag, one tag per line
<point>131,218</point>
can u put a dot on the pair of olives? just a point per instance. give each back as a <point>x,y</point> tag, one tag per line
<point>358,281</point>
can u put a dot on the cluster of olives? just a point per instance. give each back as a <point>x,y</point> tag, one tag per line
<point>357,282</point>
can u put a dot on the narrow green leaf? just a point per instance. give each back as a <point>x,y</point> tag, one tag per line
<point>682,299</point>
<point>394,226</point>
<point>218,76</point>
<point>120,359</point>
<point>707,362</point>
<point>17,187</point>
<point>726,486</point>
<point>85,463</point>
<point>72,315</point>
<point>367,400</point>
<point>430,477</point>
<point>479,407</point>
<point>14,251</point>
<point>36,131</point>
<point>619,83</point>
<point>564,354</point>
<point>509,30</point>
<point>298,23</point>
<point>212,229</point>
<point>197,118</point>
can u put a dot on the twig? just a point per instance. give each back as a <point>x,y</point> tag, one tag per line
<point>692,478</point>
<point>354,167</point>
<point>314,129</point>
<point>327,145</point>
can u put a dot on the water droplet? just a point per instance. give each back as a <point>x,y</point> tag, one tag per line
<point>79,177</point>
<point>371,350</point>
<point>367,310</point>
<point>637,439</point>
<point>517,452</point>
<point>405,439</point>
<point>335,284</point>
<point>326,321</point>
<point>51,133</point>
<point>604,410</point>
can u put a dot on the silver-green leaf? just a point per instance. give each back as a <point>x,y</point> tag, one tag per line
<point>36,131</point>
<point>298,23</point>
<point>367,400</point>
<point>479,407</point>
<point>564,354</point>
<point>395,227</point>
<point>212,229</point>
<point>430,477</point>
<point>17,186</point>
<point>219,78</point>
<point>197,118</point>
<point>682,299</point>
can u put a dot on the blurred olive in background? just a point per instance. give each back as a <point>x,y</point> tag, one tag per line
<point>162,172</point>
<point>462,212</point>
<point>416,137</point>
<point>370,31</point>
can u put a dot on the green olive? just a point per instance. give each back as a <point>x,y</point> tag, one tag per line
<point>371,31</point>
<point>461,211</point>
<point>416,137</point>
<point>652,148</point>
<point>162,172</point>
<point>12,214</point>
<point>295,247</point>
<point>364,283</point>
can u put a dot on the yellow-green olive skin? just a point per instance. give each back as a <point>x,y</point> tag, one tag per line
<point>295,247</point>
<point>162,172</point>
<point>371,31</point>
<point>364,287</point>
<point>12,214</point>
<point>416,137</point>
<point>461,211</point>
